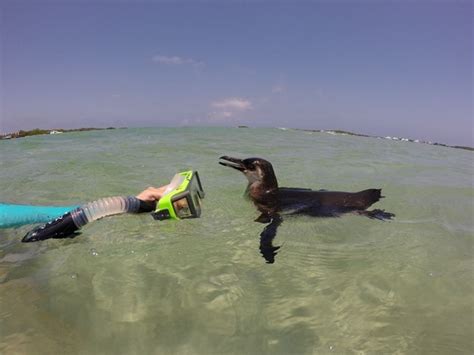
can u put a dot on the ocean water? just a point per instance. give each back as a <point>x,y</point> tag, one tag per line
<point>132,285</point>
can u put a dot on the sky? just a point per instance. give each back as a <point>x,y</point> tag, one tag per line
<point>398,68</point>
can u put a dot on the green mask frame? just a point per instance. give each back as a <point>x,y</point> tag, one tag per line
<point>182,198</point>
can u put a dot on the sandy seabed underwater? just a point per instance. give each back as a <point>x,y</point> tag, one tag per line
<point>133,285</point>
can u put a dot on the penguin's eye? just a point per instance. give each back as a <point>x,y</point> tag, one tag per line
<point>251,164</point>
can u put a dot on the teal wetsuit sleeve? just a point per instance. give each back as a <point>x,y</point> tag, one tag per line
<point>12,215</point>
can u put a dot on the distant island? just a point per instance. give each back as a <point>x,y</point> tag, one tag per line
<point>38,131</point>
<point>347,133</point>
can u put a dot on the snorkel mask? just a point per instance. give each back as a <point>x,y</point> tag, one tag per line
<point>182,198</point>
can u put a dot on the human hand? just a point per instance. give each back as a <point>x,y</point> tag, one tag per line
<point>152,194</point>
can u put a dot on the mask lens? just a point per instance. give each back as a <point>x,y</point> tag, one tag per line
<point>182,209</point>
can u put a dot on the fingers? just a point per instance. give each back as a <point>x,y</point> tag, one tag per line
<point>152,194</point>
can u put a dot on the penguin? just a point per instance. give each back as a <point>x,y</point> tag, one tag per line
<point>273,201</point>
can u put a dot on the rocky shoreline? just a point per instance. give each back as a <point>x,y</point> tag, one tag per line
<point>38,131</point>
<point>347,133</point>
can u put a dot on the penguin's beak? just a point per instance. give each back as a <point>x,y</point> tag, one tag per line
<point>235,163</point>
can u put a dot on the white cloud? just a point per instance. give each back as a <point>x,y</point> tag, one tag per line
<point>226,114</point>
<point>233,104</point>
<point>278,89</point>
<point>175,60</point>
<point>228,109</point>
<point>220,116</point>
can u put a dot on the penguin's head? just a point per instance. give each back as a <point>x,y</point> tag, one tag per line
<point>258,171</point>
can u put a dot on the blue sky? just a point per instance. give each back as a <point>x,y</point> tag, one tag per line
<point>399,68</point>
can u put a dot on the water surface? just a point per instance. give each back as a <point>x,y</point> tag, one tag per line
<point>132,285</point>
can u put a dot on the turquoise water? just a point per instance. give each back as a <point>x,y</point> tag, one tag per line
<point>132,285</point>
